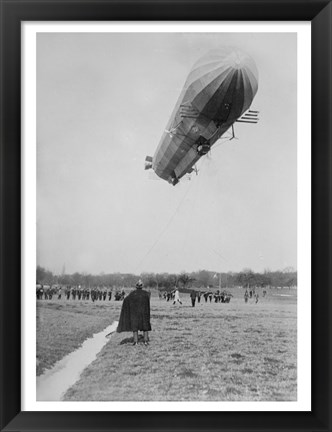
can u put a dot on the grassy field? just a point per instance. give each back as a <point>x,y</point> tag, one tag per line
<point>221,352</point>
<point>62,326</point>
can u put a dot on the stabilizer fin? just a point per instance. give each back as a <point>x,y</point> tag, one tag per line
<point>249,116</point>
<point>148,163</point>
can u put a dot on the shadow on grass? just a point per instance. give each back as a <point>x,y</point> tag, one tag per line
<point>130,340</point>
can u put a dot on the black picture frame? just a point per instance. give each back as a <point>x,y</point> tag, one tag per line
<point>13,12</point>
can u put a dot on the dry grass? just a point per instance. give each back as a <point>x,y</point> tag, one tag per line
<point>223,352</point>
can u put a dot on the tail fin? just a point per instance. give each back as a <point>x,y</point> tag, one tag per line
<point>148,163</point>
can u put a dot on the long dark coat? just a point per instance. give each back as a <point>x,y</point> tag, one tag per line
<point>135,312</point>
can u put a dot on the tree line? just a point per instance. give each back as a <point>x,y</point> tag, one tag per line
<point>167,281</point>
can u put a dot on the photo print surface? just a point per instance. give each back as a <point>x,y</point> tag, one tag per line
<point>166,217</point>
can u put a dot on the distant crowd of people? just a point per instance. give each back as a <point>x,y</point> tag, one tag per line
<point>218,297</point>
<point>103,293</point>
<point>74,292</point>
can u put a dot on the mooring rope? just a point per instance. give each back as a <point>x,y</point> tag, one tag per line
<point>165,227</point>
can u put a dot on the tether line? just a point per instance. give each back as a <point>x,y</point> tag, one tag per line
<point>165,228</point>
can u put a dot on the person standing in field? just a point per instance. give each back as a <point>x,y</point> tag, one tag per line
<point>246,296</point>
<point>193,298</point>
<point>177,296</point>
<point>135,314</point>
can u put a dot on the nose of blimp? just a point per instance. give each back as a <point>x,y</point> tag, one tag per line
<point>226,76</point>
<point>237,59</point>
<point>224,62</point>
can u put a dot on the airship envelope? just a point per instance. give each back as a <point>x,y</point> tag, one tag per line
<point>219,89</point>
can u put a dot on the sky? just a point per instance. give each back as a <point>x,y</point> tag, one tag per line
<point>103,102</point>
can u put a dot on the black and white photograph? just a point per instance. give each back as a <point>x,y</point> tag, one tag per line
<point>166,217</point>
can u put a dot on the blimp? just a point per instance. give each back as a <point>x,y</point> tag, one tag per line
<point>218,92</point>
